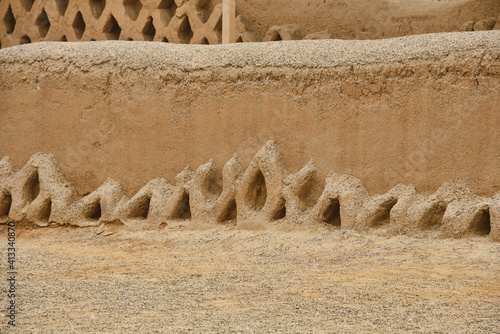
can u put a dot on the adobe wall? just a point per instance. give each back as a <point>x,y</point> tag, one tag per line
<point>419,110</point>
<point>367,19</point>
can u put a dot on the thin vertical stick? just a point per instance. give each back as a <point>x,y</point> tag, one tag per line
<point>228,21</point>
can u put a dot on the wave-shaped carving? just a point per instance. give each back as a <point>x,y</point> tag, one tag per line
<point>263,192</point>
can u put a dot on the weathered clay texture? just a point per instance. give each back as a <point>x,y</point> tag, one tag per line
<point>419,110</point>
<point>199,21</point>
<point>264,194</point>
<point>179,21</point>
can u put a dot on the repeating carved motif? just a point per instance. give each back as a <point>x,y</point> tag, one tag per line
<point>174,21</point>
<point>263,193</point>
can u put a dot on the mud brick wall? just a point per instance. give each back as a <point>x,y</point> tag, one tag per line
<point>399,134</point>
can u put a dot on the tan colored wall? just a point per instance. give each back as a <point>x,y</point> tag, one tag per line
<point>105,110</point>
<point>367,19</point>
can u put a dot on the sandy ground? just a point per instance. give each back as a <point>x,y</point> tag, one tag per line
<point>222,280</point>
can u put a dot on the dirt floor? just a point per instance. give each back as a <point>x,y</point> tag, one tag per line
<point>222,280</point>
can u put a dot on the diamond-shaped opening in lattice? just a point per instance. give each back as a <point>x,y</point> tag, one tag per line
<point>10,21</point>
<point>165,40</point>
<point>78,25</point>
<point>132,8</point>
<point>167,10</point>
<point>111,29</point>
<point>185,32</point>
<point>97,7</point>
<point>63,38</point>
<point>204,41</point>
<point>62,5</point>
<point>43,23</point>
<point>149,31</point>
<point>27,4</point>
<point>239,40</point>
<point>204,9</point>
<point>25,40</point>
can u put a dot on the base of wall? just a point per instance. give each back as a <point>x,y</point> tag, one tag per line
<point>262,194</point>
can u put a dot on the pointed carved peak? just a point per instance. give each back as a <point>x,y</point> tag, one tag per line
<point>452,191</point>
<point>39,159</point>
<point>43,170</point>
<point>308,171</point>
<point>311,164</point>
<point>109,182</point>
<point>109,186</point>
<point>184,177</point>
<point>207,181</point>
<point>268,155</point>
<point>269,147</point>
<point>6,167</point>
<point>206,169</point>
<point>401,189</point>
<point>158,184</point>
<point>232,169</point>
<point>47,168</point>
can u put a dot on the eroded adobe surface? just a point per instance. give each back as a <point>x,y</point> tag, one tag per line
<point>398,131</point>
<point>199,21</point>
<point>417,110</point>
<point>263,193</point>
<point>179,21</point>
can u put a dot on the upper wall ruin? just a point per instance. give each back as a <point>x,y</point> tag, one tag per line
<point>199,21</point>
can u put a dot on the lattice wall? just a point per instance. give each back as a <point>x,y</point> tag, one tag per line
<point>179,21</point>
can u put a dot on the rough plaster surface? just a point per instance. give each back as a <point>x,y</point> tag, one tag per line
<point>264,193</point>
<point>367,19</point>
<point>419,110</point>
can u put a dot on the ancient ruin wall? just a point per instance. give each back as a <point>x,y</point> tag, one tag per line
<point>263,193</point>
<point>369,19</point>
<point>419,110</point>
<point>195,22</point>
<point>199,21</point>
